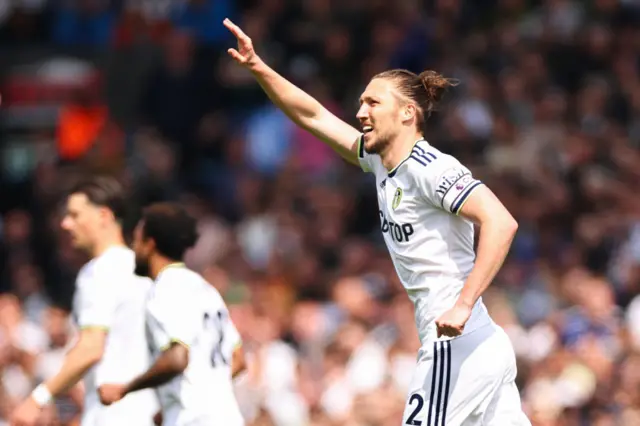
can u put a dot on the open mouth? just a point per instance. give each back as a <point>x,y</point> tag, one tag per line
<point>367,129</point>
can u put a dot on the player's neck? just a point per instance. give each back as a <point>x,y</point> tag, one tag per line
<point>107,242</point>
<point>399,150</point>
<point>159,263</point>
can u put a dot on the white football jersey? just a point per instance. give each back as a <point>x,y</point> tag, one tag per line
<point>430,245</point>
<point>184,308</point>
<point>109,295</point>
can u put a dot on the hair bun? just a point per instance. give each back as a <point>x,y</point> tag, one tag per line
<point>435,85</point>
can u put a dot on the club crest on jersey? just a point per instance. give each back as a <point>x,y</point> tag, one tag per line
<point>396,199</point>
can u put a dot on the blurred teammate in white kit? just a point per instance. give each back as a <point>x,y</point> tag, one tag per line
<point>108,307</point>
<point>197,349</point>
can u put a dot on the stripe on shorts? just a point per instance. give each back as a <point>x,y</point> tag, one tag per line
<point>440,381</point>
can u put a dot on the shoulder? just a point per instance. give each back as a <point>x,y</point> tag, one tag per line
<point>181,274</point>
<point>86,271</point>
<point>178,282</point>
<point>115,260</point>
<point>107,270</point>
<point>214,296</point>
<point>428,162</point>
<point>143,282</point>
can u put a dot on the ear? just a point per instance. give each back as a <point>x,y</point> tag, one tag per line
<point>151,244</point>
<point>409,112</point>
<point>105,214</point>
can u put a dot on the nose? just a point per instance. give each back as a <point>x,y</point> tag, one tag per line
<point>363,112</point>
<point>66,224</point>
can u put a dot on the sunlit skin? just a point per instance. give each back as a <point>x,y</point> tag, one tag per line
<point>81,221</point>
<point>92,228</point>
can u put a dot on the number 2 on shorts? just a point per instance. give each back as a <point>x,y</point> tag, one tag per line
<point>411,420</point>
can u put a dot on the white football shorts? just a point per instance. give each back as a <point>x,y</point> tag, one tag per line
<point>466,381</point>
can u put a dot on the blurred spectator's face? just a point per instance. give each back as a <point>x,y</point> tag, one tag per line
<point>82,220</point>
<point>179,49</point>
<point>10,311</point>
<point>27,280</point>
<point>17,227</point>
<point>142,247</point>
<point>351,295</point>
<point>55,324</point>
<point>380,115</point>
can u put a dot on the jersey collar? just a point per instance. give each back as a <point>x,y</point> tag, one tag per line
<point>171,266</point>
<point>391,173</point>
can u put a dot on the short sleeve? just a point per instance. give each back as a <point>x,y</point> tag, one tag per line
<point>97,299</point>
<point>364,159</point>
<point>448,186</point>
<point>173,316</point>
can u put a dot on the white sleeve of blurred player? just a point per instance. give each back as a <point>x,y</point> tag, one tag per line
<point>232,338</point>
<point>173,313</point>
<point>97,298</point>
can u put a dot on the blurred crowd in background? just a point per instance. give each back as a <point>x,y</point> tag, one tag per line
<point>547,114</point>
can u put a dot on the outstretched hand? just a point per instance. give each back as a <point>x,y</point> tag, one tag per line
<point>245,54</point>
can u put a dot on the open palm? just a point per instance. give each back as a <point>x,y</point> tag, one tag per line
<point>245,55</point>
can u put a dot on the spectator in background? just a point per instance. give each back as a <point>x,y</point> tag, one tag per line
<point>201,18</point>
<point>23,22</point>
<point>84,126</point>
<point>84,23</point>
<point>175,97</point>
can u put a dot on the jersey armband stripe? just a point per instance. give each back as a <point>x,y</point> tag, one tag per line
<point>445,191</point>
<point>360,149</point>
<point>171,342</point>
<point>361,146</point>
<point>94,327</point>
<point>455,209</point>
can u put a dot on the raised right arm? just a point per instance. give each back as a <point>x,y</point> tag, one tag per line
<point>298,105</point>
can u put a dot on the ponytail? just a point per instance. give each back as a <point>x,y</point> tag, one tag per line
<point>435,85</point>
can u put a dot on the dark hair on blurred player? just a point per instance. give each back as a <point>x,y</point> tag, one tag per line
<point>196,348</point>
<point>164,234</point>
<point>94,213</point>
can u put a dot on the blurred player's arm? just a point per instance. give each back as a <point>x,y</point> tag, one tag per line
<point>96,310</point>
<point>86,353</point>
<point>298,105</point>
<point>96,306</point>
<point>174,327</point>
<point>497,230</point>
<point>171,363</point>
